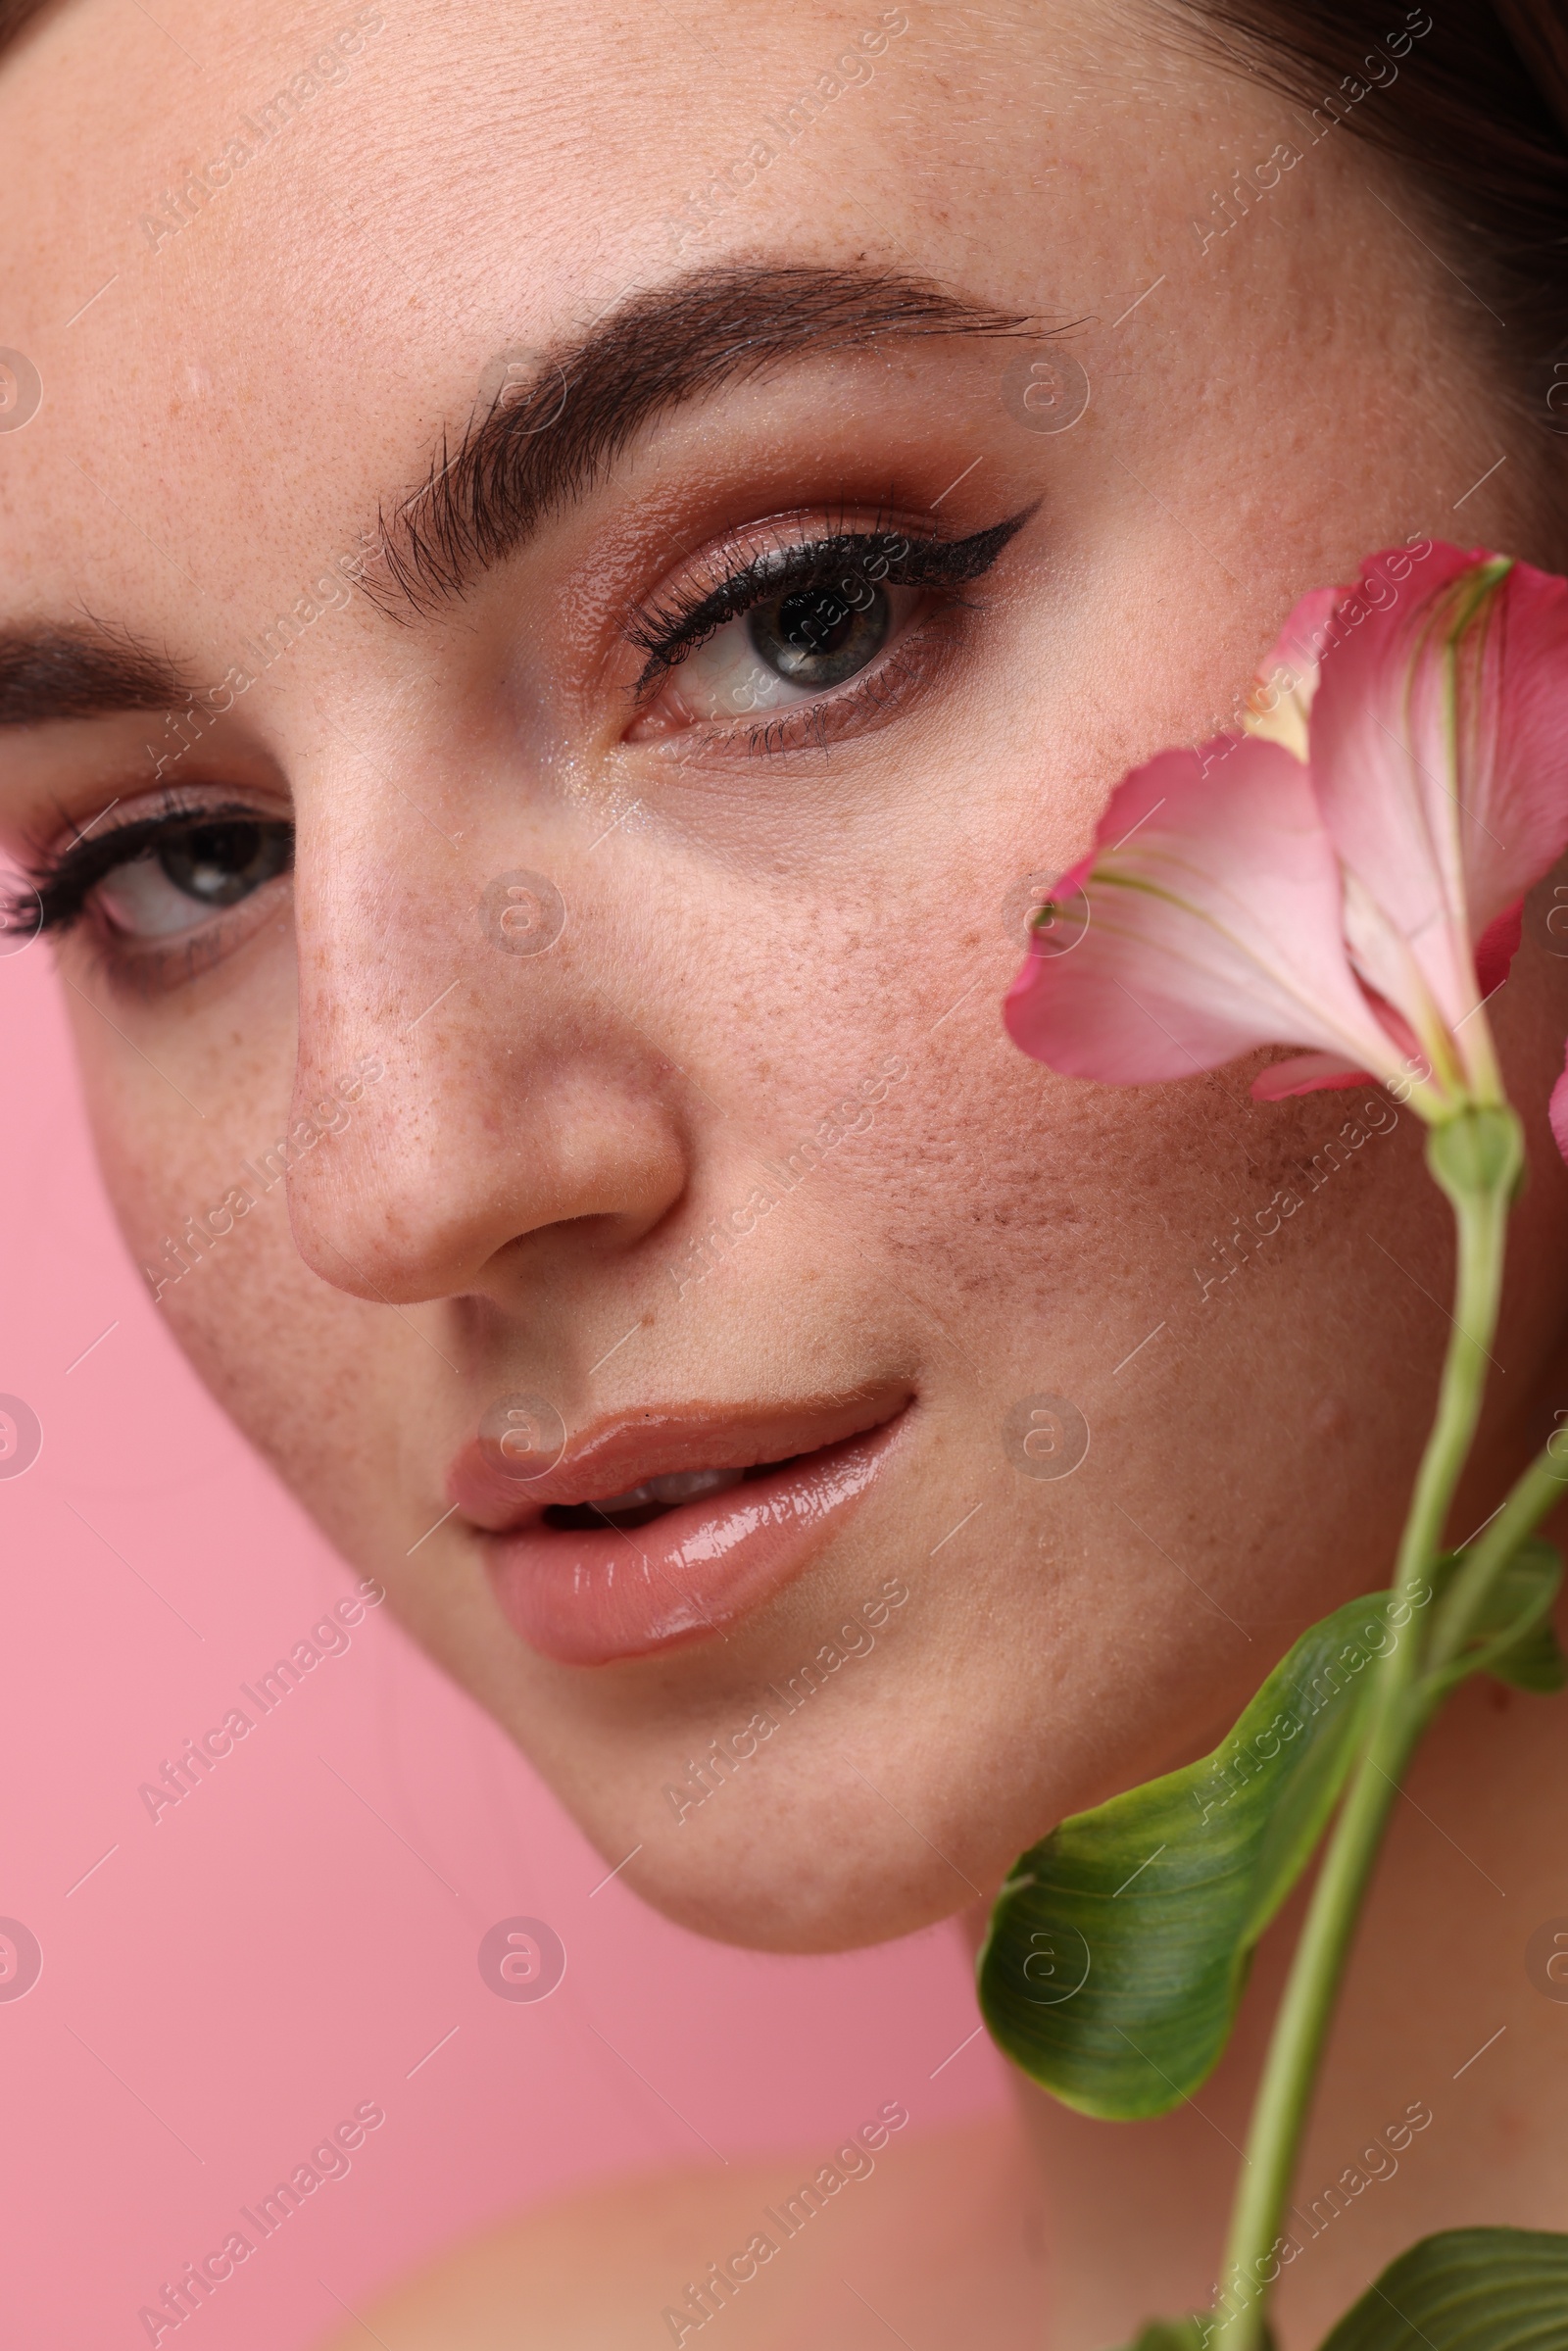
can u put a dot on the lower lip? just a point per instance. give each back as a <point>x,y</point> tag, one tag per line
<point>588,1598</point>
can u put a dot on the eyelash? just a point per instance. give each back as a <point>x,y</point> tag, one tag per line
<point>670,634</point>
<point>667,634</point>
<point>66,879</point>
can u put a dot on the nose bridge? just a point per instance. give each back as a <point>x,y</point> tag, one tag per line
<point>492,1096</point>
<point>379,894</point>
<point>372,920</point>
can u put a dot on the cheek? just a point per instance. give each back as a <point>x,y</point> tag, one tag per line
<point>315,1378</point>
<point>1003,1232</point>
<point>306,1371</point>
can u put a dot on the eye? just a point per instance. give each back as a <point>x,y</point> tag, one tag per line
<point>793,647</point>
<point>796,620</point>
<point>190,871</point>
<point>161,875</point>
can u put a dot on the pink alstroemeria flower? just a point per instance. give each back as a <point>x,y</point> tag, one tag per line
<point>1331,877</point>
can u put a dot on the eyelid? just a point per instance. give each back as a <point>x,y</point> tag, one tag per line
<point>669,634</point>
<point>63,879</point>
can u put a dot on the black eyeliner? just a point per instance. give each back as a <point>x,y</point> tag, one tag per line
<point>898,559</point>
<point>65,881</point>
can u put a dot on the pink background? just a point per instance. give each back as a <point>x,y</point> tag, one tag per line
<point>222,1988</point>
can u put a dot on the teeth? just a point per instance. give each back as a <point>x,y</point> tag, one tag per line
<point>682,1486</point>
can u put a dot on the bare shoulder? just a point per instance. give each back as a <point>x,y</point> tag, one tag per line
<point>931,2232</point>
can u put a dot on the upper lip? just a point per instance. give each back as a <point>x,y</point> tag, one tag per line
<point>624,1450</point>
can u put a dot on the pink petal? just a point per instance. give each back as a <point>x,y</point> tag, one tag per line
<point>1443,824</point>
<point>1280,704</point>
<point>1496,948</point>
<point>1557,1112</point>
<point>1307,1073</point>
<point>1518,800</point>
<point>1301,642</point>
<point>1213,910</point>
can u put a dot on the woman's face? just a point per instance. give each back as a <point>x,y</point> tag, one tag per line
<point>605,479</point>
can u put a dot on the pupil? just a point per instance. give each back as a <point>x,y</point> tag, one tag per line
<point>815,637</point>
<point>218,865</point>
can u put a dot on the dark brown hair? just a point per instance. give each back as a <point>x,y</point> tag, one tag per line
<point>1472,97</point>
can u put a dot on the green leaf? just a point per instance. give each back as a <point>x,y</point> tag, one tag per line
<point>1188,2334</point>
<point>1120,1945</point>
<point>1470,2289</point>
<point>1173,2335</point>
<point>1513,1638</point>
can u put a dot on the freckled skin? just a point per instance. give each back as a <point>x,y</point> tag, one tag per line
<point>758,933</point>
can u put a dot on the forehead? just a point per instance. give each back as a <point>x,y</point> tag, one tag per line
<point>260,257</point>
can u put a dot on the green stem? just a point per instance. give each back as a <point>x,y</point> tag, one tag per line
<point>1479,1179</point>
<point>1541,1489</point>
<point>1279,2117</point>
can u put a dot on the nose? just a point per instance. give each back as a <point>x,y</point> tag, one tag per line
<point>486,1110</point>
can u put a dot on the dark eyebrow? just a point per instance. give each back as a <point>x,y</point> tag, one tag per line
<point>81,670</point>
<point>519,463</point>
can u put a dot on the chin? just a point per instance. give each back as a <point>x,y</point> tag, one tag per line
<point>821,1865</point>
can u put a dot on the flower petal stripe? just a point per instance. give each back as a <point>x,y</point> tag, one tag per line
<point>1213,929</point>
<point>1345,878</point>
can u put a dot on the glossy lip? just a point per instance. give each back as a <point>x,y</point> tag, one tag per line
<point>591,1596</point>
